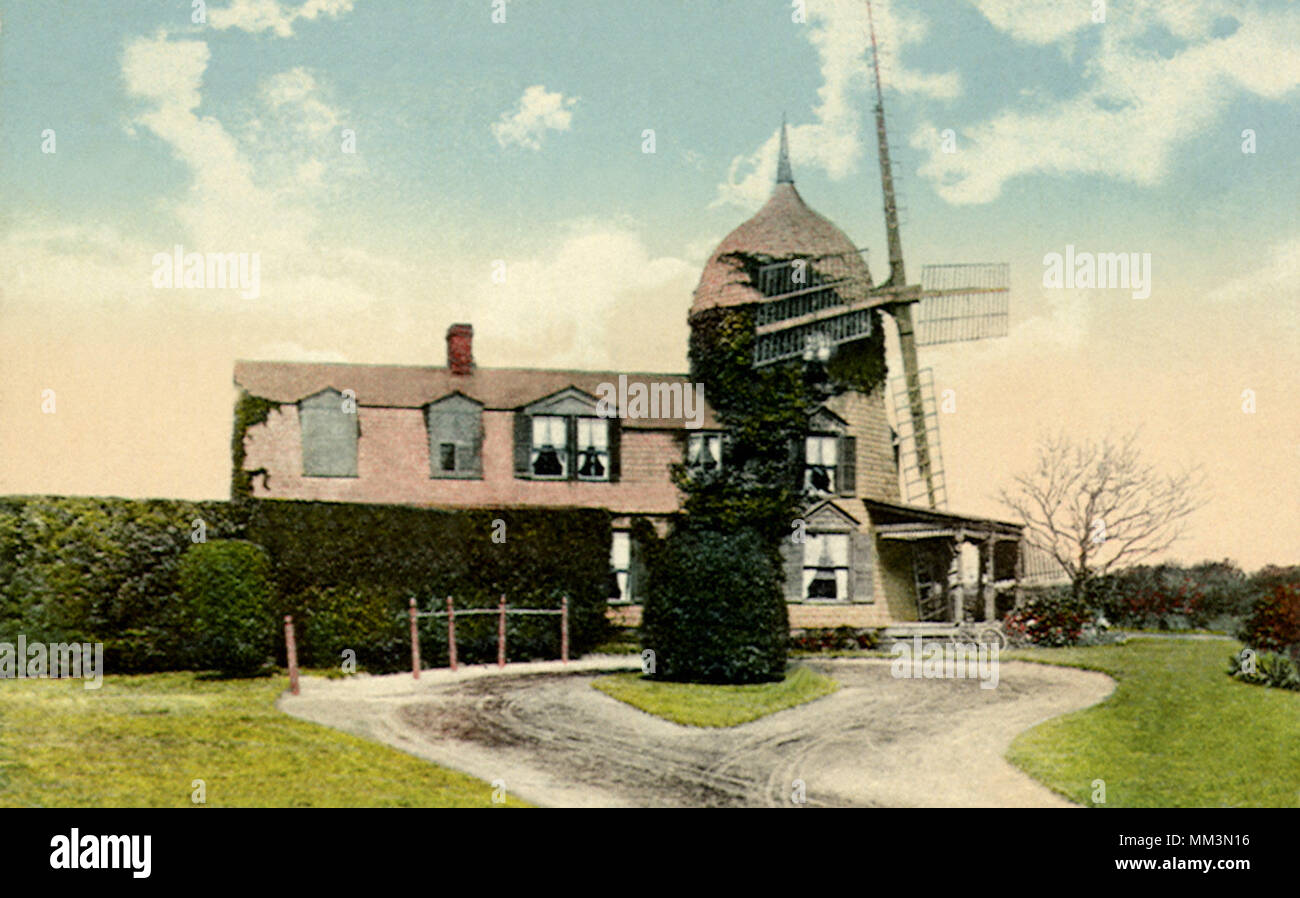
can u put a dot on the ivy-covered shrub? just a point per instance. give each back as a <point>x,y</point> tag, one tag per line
<point>1274,623</point>
<point>227,585</point>
<point>1266,669</point>
<point>391,553</point>
<point>834,639</point>
<point>715,612</point>
<point>1051,617</point>
<point>104,570</point>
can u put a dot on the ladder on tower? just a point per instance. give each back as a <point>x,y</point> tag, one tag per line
<point>918,489</point>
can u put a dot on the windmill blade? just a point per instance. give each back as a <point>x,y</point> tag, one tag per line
<point>813,304</point>
<point>963,302</point>
<point>783,341</point>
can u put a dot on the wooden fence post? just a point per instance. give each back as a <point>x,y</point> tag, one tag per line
<point>564,630</point>
<point>451,633</point>
<point>291,649</point>
<point>501,634</point>
<point>415,643</point>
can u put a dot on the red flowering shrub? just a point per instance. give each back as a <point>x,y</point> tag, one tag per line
<point>1274,624</point>
<point>1051,619</point>
<point>839,639</point>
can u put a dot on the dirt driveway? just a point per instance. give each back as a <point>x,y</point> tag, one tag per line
<point>877,742</point>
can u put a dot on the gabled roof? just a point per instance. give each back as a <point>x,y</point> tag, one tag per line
<point>410,386</point>
<point>833,505</point>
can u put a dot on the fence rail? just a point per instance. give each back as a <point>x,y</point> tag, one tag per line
<point>500,611</point>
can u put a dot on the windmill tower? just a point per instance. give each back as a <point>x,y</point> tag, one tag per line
<point>816,303</point>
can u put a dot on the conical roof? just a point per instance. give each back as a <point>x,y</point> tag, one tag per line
<point>785,228</point>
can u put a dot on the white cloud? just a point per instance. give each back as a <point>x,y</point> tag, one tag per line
<point>256,16</point>
<point>538,111</point>
<point>1136,107</point>
<point>1271,290</point>
<point>833,143</point>
<point>249,189</point>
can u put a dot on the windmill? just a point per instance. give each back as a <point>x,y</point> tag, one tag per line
<point>808,309</point>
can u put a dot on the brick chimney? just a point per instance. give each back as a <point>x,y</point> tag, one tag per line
<point>460,349</point>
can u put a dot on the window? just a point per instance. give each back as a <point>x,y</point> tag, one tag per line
<point>447,456</point>
<point>826,566</point>
<point>704,451</point>
<point>560,437</point>
<point>455,434</point>
<point>549,457</point>
<point>593,449</point>
<point>620,563</point>
<point>820,463</point>
<point>329,435</point>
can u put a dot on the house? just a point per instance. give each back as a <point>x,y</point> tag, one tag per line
<point>460,436</point>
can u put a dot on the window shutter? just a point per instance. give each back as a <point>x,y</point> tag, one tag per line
<point>475,447</point>
<point>797,461</point>
<point>861,585</point>
<point>792,561</point>
<point>848,466</point>
<point>636,574</point>
<point>523,443</point>
<point>615,449</point>
<point>571,438</point>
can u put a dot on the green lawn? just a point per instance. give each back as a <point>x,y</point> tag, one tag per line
<point>140,741</point>
<point>1177,732</point>
<point>715,706</point>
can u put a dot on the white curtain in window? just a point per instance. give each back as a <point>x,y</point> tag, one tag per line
<point>593,433</point>
<point>823,552</point>
<point>548,430</point>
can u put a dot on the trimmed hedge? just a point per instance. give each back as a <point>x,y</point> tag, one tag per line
<point>226,586</point>
<point>383,555</point>
<point>106,570</point>
<point>716,612</point>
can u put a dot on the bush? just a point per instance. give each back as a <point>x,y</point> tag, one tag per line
<point>370,622</point>
<point>838,639</point>
<point>1270,669</point>
<point>715,612</point>
<point>1213,594</point>
<point>1274,623</point>
<point>227,585</point>
<point>104,570</point>
<point>1053,617</point>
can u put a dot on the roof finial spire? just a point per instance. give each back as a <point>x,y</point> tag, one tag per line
<point>783,173</point>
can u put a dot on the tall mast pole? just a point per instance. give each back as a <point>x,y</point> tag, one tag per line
<point>901,310</point>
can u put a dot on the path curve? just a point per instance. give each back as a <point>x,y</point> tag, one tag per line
<point>876,742</point>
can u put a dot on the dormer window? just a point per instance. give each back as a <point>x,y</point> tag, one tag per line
<point>561,437</point>
<point>454,426</point>
<point>593,449</point>
<point>704,451</point>
<point>821,462</point>
<point>550,454</point>
<point>329,434</point>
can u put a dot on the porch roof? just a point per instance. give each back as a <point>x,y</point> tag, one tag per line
<point>910,522</point>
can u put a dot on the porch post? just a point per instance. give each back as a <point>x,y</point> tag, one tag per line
<point>959,593</point>
<point>988,579</point>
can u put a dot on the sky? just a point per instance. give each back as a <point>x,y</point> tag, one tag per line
<point>557,173</point>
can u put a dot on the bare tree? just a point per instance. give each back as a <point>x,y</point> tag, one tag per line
<point>1096,505</point>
